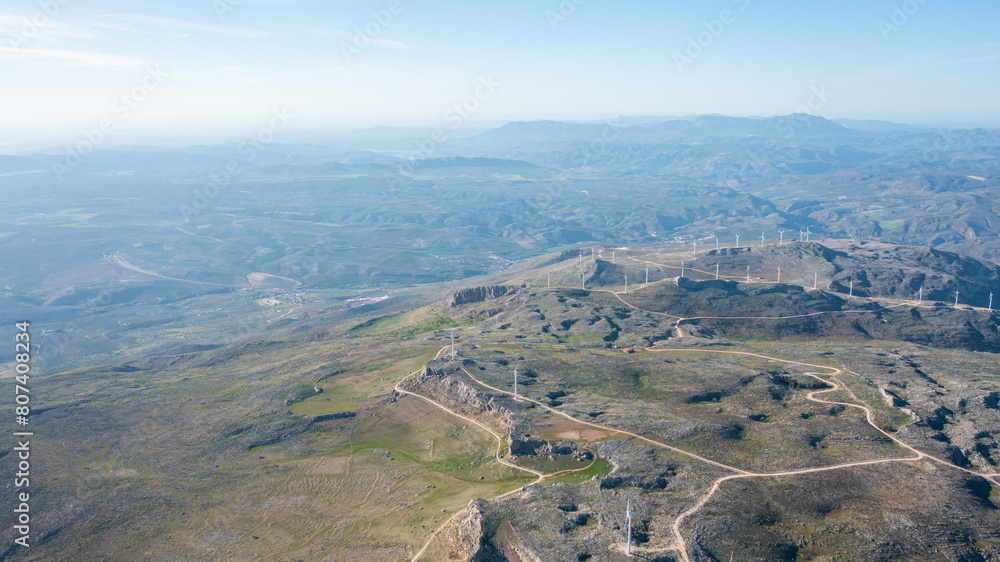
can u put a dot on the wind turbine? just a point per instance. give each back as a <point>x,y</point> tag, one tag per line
<point>807,234</point>
<point>781,236</point>
<point>920,296</point>
<point>628,523</point>
<point>991,302</point>
<point>956,300</point>
<point>647,274</point>
<point>762,239</point>
<point>737,240</point>
<point>716,272</point>
<point>682,269</point>
<point>779,275</point>
<point>851,294</point>
<point>815,279</point>
<point>515,379</point>
<point>626,284</point>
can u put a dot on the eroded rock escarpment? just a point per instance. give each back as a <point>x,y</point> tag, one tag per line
<point>479,294</point>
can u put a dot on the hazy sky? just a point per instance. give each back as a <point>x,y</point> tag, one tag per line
<point>228,64</point>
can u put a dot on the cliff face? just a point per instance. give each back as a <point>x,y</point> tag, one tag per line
<point>437,374</point>
<point>467,536</point>
<point>478,294</point>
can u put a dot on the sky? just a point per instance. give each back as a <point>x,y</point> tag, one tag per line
<point>226,67</point>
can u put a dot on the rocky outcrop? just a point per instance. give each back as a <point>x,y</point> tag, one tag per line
<point>467,535</point>
<point>438,375</point>
<point>479,294</point>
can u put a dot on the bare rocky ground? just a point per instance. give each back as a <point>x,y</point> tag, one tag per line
<point>231,452</point>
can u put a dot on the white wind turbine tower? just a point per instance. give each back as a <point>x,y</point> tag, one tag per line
<point>628,523</point>
<point>515,379</point>
<point>762,239</point>
<point>815,279</point>
<point>779,275</point>
<point>626,284</point>
<point>920,296</point>
<point>682,269</point>
<point>807,234</point>
<point>956,300</point>
<point>737,240</point>
<point>647,274</point>
<point>781,236</point>
<point>851,294</point>
<point>716,272</point>
<point>991,303</point>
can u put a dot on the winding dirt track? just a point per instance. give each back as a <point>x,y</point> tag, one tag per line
<point>540,475</point>
<point>829,377</point>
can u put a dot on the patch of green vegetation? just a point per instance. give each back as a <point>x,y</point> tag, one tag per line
<point>600,469</point>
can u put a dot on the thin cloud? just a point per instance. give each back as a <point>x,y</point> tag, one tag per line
<point>78,57</point>
<point>391,44</point>
<point>137,23</point>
